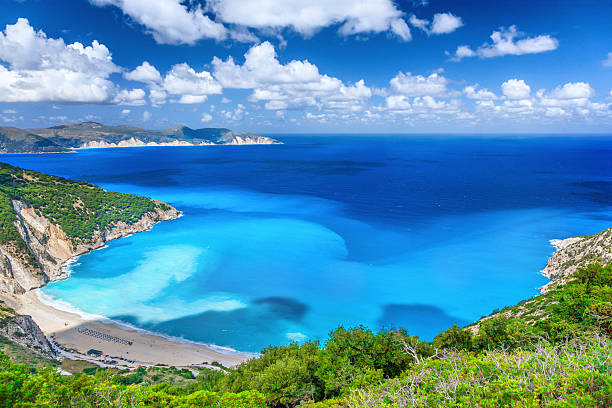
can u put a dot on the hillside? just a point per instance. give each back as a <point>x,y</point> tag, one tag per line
<point>63,138</point>
<point>13,140</point>
<point>46,220</point>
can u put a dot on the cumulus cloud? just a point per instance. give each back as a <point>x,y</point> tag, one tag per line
<point>145,72</point>
<point>573,99</point>
<point>472,92</point>
<point>516,89</point>
<point>170,21</point>
<point>290,85</point>
<point>573,90</point>
<point>182,81</point>
<point>191,86</point>
<point>42,69</point>
<point>509,42</point>
<point>608,61</point>
<point>135,97</point>
<point>308,16</point>
<point>443,23</point>
<point>206,117</point>
<point>418,85</point>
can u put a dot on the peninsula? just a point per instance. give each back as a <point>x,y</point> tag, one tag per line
<point>67,137</point>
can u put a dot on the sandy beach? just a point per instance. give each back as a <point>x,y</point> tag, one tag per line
<point>74,333</point>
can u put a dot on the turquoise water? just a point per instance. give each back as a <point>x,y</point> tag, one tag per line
<point>286,243</point>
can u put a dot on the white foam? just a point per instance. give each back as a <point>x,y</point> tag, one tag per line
<point>64,306</point>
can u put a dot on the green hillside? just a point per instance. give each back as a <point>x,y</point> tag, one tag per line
<point>78,207</point>
<point>553,350</point>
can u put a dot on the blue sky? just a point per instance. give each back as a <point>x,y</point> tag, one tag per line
<point>284,66</point>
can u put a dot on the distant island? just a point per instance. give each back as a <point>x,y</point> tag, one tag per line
<point>67,137</point>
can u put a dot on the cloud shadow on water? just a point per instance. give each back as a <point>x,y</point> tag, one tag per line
<point>425,321</point>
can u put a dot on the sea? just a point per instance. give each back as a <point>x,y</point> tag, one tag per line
<point>286,243</point>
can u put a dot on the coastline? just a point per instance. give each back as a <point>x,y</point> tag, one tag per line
<point>70,331</point>
<point>146,349</point>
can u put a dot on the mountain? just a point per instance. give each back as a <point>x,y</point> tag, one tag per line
<point>13,140</point>
<point>63,138</point>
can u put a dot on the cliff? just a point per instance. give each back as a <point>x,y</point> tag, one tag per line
<point>24,331</point>
<point>64,138</point>
<point>46,220</point>
<point>575,253</point>
<point>52,248</point>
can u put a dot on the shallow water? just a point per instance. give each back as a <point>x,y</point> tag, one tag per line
<point>285,243</point>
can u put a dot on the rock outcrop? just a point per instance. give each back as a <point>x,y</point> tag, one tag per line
<point>52,249</point>
<point>575,253</point>
<point>24,331</point>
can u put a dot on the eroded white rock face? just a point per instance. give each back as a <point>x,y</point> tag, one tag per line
<point>575,253</point>
<point>132,142</point>
<point>52,249</point>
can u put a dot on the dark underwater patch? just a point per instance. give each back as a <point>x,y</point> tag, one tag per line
<point>425,321</point>
<point>284,308</point>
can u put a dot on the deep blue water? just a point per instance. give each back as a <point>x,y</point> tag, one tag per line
<point>283,243</point>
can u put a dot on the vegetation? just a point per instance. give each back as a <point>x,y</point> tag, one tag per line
<point>551,351</point>
<point>78,207</point>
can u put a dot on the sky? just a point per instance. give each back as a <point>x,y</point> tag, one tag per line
<point>310,66</point>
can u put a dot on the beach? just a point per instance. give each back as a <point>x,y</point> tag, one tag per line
<point>128,348</point>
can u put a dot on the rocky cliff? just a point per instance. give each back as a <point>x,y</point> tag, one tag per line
<point>575,253</point>
<point>51,248</point>
<point>25,332</point>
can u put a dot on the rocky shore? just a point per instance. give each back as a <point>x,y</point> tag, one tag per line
<point>575,253</point>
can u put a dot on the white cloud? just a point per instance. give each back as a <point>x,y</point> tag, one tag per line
<point>206,117</point>
<point>463,51</point>
<point>509,42</point>
<point>516,89</point>
<point>42,69</point>
<point>608,61</point>
<point>9,111</point>
<point>443,23</point>
<point>191,86</point>
<point>418,85</point>
<point>308,16</point>
<point>170,21</point>
<point>237,114</point>
<point>125,112</point>
<point>225,100</point>
<point>555,112</point>
<point>481,94</point>
<point>145,72</point>
<point>282,86</point>
<point>135,97</point>
<point>573,90</point>
<point>146,115</point>
<point>419,23</point>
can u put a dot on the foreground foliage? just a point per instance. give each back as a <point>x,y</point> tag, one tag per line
<point>551,351</point>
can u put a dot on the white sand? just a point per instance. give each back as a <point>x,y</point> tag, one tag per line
<point>146,349</point>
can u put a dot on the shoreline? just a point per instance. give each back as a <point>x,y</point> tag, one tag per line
<point>71,332</point>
